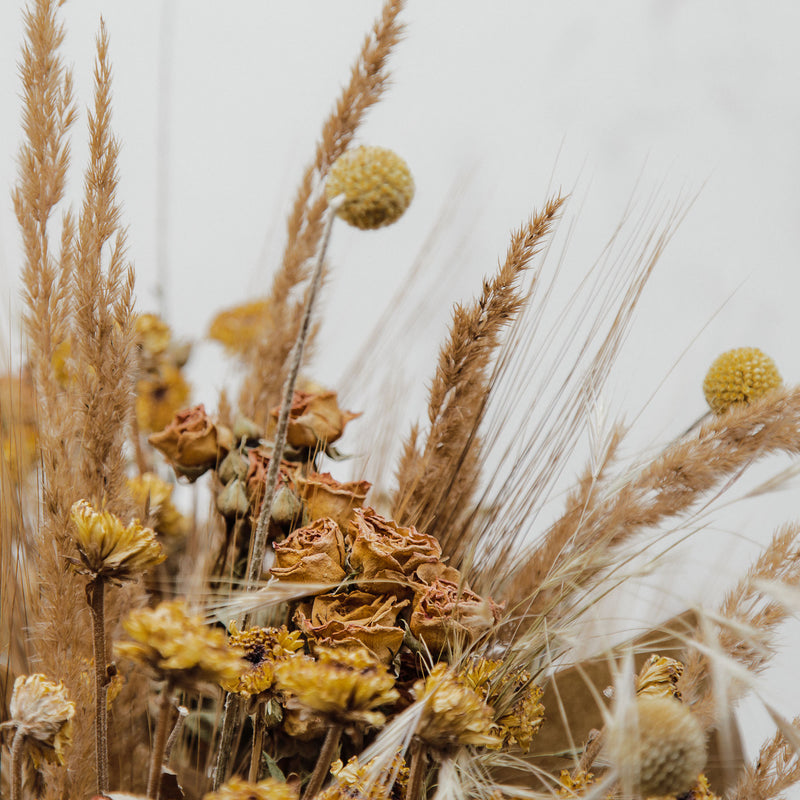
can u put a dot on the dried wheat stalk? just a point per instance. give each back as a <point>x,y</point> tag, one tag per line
<point>436,481</point>
<point>368,81</point>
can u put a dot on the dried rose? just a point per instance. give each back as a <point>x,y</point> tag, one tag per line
<point>447,612</point>
<point>326,497</point>
<point>315,419</point>
<point>314,554</point>
<point>193,442</point>
<point>353,620</point>
<point>256,477</point>
<point>386,554</point>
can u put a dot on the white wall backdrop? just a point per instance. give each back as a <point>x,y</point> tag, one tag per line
<point>493,106</point>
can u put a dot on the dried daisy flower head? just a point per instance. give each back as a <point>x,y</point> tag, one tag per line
<point>663,753</point>
<point>179,646</point>
<point>269,789</point>
<point>107,548</point>
<point>376,184</point>
<point>345,685</point>
<point>739,376</point>
<point>42,713</point>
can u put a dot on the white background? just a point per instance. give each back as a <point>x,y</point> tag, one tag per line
<point>493,105</point>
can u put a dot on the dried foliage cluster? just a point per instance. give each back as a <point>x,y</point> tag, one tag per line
<point>306,639</point>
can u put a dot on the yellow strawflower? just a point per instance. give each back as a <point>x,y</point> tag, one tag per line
<point>739,376</point>
<point>237,789</point>
<point>376,183</point>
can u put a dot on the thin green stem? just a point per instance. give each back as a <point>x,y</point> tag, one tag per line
<point>160,743</point>
<point>17,750</point>
<point>329,747</point>
<point>96,592</point>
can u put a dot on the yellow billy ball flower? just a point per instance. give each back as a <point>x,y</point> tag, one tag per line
<point>346,686</point>
<point>42,712</point>
<point>376,183</point>
<point>664,753</point>
<point>739,376</point>
<point>110,549</point>
<point>179,646</point>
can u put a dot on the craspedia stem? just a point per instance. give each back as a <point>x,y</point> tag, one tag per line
<point>296,358</point>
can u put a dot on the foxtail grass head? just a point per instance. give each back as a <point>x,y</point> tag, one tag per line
<point>739,376</point>
<point>376,184</point>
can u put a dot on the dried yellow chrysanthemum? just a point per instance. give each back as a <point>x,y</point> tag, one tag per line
<point>154,500</point>
<point>263,648</point>
<point>269,789</point>
<point>513,697</point>
<point>355,781</point>
<point>178,645</point>
<point>152,334</point>
<point>42,712</point>
<point>573,785</point>
<point>159,396</point>
<point>344,685</point>
<point>659,677</point>
<point>239,328</point>
<point>454,714</point>
<point>739,376</point>
<point>664,753</point>
<point>109,549</point>
<point>376,183</point>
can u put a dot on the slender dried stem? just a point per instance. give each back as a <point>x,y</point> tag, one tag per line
<point>259,728</point>
<point>17,750</point>
<point>160,743</point>
<point>419,758</point>
<point>96,595</point>
<point>230,720</point>
<point>324,761</point>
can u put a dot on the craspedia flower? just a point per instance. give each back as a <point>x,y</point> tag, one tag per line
<point>42,712</point>
<point>346,686</point>
<point>237,789</point>
<point>263,648</point>
<point>454,714</point>
<point>109,549</point>
<point>179,646</point>
<point>739,376</point>
<point>664,753</point>
<point>376,183</point>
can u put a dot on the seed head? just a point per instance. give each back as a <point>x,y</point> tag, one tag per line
<point>376,183</point>
<point>739,376</point>
<point>664,753</point>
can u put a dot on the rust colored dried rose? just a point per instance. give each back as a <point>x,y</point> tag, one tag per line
<point>314,554</point>
<point>192,442</point>
<point>352,621</point>
<point>386,554</point>
<point>315,419</point>
<point>326,497</point>
<point>447,612</point>
<point>256,477</point>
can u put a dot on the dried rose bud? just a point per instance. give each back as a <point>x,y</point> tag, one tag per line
<point>663,752</point>
<point>387,555</point>
<point>315,419</point>
<point>313,554</point>
<point>326,497</point>
<point>447,613</point>
<point>232,501</point>
<point>192,442</point>
<point>353,620</point>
